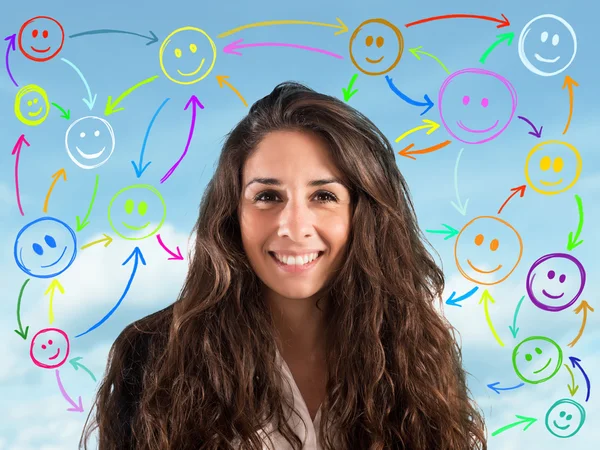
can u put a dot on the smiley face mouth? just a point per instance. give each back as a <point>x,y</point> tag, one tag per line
<point>559,427</point>
<point>132,227</point>
<point>547,364</point>
<point>374,61</point>
<point>35,113</point>
<point>472,130</point>
<point>483,271</point>
<point>552,296</point>
<point>43,267</point>
<point>38,50</point>
<point>542,59</point>
<point>194,72</point>
<point>551,183</point>
<point>56,355</point>
<point>88,155</point>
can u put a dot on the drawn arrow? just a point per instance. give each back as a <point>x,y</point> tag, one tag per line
<point>454,301</point>
<point>407,152</point>
<point>417,54</point>
<point>82,224</point>
<point>573,388</point>
<point>76,365</point>
<point>55,176</point>
<point>522,419</point>
<point>54,284</point>
<point>497,390</point>
<point>151,39</point>
<point>10,47</point>
<point>75,407</point>
<point>513,328</point>
<point>573,239</point>
<point>348,92</point>
<point>519,189</point>
<point>460,207</point>
<point>537,133</point>
<point>65,114</point>
<point>222,79</point>
<point>140,168</point>
<point>106,239</point>
<point>430,126</point>
<point>505,37</point>
<point>485,299</point>
<point>233,46</point>
<point>502,23</point>
<point>575,363</point>
<point>407,99</point>
<point>569,82</point>
<point>451,232</point>
<point>342,28</point>
<point>110,105</point>
<point>20,331</point>
<point>90,101</point>
<point>17,151</point>
<point>174,256</point>
<point>583,306</point>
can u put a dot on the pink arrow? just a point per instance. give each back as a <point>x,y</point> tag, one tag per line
<point>17,150</point>
<point>76,407</point>
<point>174,256</point>
<point>230,48</point>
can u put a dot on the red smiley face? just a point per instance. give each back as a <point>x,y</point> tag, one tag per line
<point>41,38</point>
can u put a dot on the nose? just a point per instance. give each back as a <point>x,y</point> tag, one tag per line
<point>296,220</point>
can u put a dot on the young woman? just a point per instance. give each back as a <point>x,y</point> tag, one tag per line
<point>307,319</point>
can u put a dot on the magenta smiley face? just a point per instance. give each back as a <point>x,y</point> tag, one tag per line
<point>49,348</point>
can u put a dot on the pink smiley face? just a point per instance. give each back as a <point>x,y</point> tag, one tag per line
<point>49,348</point>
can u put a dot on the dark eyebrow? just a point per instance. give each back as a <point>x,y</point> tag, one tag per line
<point>276,182</point>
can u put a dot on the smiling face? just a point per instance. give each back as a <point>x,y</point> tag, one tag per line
<point>45,247</point>
<point>552,167</point>
<point>376,46</point>
<point>133,209</point>
<point>476,105</point>
<point>565,418</point>
<point>49,348</point>
<point>537,359</point>
<point>31,105</point>
<point>187,55</point>
<point>487,250</point>
<point>90,141</point>
<point>555,281</point>
<point>41,38</point>
<point>547,45</point>
<point>293,215</point>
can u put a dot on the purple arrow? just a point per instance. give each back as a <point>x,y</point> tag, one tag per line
<point>537,133</point>
<point>11,43</point>
<point>575,363</point>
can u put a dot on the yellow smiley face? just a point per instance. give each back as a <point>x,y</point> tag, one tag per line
<point>31,105</point>
<point>552,167</point>
<point>183,55</point>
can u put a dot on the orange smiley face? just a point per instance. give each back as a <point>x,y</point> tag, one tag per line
<point>476,250</point>
<point>375,59</point>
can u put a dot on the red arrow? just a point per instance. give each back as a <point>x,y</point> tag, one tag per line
<point>17,150</point>
<point>502,23</point>
<point>520,189</point>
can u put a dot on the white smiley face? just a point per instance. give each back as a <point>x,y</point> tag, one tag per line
<point>90,141</point>
<point>547,45</point>
<point>49,348</point>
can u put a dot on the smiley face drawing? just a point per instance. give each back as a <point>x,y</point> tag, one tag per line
<point>565,418</point>
<point>141,200</point>
<point>37,108</point>
<point>41,38</point>
<point>374,59</point>
<point>90,141</point>
<point>546,281</point>
<point>547,45</point>
<point>49,348</point>
<point>45,247</point>
<point>476,250</point>
<point>476,105</point>
<point>537,359</point>
<point>183,55</point>
<point>562,157</point>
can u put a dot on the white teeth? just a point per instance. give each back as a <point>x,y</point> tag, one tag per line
<point>299,260</point>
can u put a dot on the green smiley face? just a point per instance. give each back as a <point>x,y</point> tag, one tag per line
<point>537,359</point>
<point>131,215</point>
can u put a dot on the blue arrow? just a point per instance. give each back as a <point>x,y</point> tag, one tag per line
<point>497,390</point>
<point>575,362</point>
<point>454,301</point>
<point>88,101</point>
<point>407,99</point>
<point>138,256</point>
<point>139,171</point>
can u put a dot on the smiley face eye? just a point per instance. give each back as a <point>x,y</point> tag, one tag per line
<point>545,163</point>
<point>555,40</point>
<point>479,239</point>
<point>369,41</point>
<point>49,341</point>
<point>494,245</point>
<point>193,48</point>
<point>178,52</point>
<point>97,133</point>
<point>379,41</point>
<point>44,346</point>
<point>538,350</point>
<point>37,248</point>
<point>50,241</point>
<point>129,204</point>
<point>29,103</point>
<point>562,278</point>
<point>465,100</point>
<point>528,357</point>
<point>558,164</point>
<point>544,36</point>
<point>45,34</point>
<point>34,33</point>
<point>142,208</point>
<point>35,100</point>
<point>485,102</point>
<point>551,274</point>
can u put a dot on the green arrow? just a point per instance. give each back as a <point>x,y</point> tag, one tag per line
<point>451,232</point>
<point>524,419</point>
<point>415,51</point>
<point>20,331</point>
<point>572,243</point>
<point>110,105</point>
<point>348,92</point>
<point>65,114</point>
<point>82,224</point>
<point>74,362</point>
<point>500,38</point>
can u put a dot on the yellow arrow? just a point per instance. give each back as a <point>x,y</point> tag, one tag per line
<point>484,298</point>
<point>428,124</point>
<point>222,79</point>
<point>52,288</point>
<point>106,239</point>
<point>342,26</point>
<point>56,176</point>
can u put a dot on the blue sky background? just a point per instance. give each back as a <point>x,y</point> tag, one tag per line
<point>35,413</point>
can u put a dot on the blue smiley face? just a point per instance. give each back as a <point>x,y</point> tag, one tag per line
<point>45,247</point>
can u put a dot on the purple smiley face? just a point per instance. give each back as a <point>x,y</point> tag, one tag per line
<point>476,105</point>
<point>555,281</point>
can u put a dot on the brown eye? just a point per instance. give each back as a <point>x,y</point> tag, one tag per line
<point>369,41</point>
<point>379,41</point>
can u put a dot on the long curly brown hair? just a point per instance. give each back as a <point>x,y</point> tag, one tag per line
<point>202,373</point>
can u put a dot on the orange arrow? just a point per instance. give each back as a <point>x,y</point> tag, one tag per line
<point>582,306</point>
<point>405,151</point>
<point>222,79</point>
<point>519,189</point>
<point>570,82</point>
<point>56,176</point>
